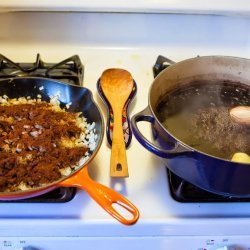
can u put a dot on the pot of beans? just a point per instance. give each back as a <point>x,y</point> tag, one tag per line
<point>189,107</point>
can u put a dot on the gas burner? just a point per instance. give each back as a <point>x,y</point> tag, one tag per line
<point>58,195</point>
<point>161,64</point>
<point>184,191</point>
<point>70,71</point>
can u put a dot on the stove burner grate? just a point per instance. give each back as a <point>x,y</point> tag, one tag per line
<point>59,195</point>
<point>70,71</point>
<point>184,191</point>
<point>161,64</point>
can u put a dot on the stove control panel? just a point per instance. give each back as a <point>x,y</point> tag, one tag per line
<point>26,248</point>
<point>230,248</point>
<point>16,244</point>
<point>125,243</point>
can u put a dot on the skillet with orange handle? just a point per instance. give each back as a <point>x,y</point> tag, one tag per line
<point>82,101</point>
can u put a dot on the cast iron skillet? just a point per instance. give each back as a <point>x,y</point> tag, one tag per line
<point>82,101</point>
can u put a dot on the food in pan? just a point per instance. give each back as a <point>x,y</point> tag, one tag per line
<point>40,142</point>
<point>198,115</point>
<point>241,157</point>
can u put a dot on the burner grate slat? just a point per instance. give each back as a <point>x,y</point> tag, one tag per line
<point>69,70</point>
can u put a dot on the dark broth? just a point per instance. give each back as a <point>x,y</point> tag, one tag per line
<point>198,115</point>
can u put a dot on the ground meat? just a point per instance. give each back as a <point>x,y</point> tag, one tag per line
<point>31,148</point>
<point>217,128</point>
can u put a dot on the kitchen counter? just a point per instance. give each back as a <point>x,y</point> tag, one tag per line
<point>218,7</point>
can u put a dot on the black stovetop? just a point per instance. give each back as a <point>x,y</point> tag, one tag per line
<point>184,191</point>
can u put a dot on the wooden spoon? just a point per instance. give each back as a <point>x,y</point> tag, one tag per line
<point>117,84</point>
<point>241,115</point>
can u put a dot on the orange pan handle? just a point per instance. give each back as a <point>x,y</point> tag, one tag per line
<point>103,195</point>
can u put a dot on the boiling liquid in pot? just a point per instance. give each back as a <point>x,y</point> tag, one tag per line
<point>198,115</point>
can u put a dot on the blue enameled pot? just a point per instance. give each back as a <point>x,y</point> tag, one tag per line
<point>202,170</point>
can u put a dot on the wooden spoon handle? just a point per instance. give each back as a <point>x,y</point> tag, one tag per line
<point>118,161</point>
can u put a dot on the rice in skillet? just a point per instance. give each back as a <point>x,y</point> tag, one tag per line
<point>40,142</point>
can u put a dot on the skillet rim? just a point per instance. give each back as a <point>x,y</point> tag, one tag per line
<point>56,183</point>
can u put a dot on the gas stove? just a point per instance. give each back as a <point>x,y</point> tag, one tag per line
<point>132,42</point>
<point>70,71</point>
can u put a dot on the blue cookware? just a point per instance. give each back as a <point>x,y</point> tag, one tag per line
<point>205,171</point>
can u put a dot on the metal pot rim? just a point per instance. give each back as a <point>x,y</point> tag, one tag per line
<point>169,133</point>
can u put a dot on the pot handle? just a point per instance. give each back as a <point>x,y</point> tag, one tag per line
<point>146,115</point>
<point>103,195</point>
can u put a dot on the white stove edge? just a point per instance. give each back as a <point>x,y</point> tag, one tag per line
<point>107,228</point>
<point>225,7</point>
